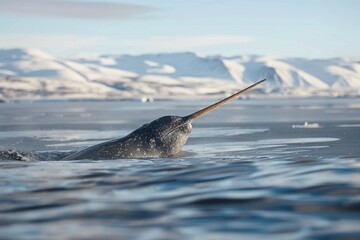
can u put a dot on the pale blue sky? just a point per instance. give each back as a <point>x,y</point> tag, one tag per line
<point>300,28</point>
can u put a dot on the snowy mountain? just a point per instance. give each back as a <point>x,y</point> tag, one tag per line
<point>31,73</point>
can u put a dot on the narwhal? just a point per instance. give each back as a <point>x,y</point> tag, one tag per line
<point>162,137</point>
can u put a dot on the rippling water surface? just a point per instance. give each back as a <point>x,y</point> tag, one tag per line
<point>245,173</point>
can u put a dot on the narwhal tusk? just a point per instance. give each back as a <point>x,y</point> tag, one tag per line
<point>203,111</point>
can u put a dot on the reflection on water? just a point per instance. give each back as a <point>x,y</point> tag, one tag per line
<point>251,178</point>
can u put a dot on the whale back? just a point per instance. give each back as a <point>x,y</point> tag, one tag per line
<point>162,137</point>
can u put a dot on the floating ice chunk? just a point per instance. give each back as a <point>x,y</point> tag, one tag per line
<point>307,125</point>
<point>147,99</point>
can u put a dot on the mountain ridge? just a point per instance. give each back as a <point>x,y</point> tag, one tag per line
<point>32,73</point>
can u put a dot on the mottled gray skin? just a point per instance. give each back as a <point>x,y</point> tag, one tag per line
<point>162,137</point>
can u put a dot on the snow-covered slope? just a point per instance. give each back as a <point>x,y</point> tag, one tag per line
<point>31,73</point>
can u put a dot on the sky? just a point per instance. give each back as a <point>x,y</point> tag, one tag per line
<point>286,28</point>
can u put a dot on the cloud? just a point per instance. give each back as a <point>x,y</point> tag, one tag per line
<point>187,43</point>
<point>48,42</point>
<point>74,9</point>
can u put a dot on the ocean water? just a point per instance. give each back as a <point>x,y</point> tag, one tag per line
<point>245,173</point>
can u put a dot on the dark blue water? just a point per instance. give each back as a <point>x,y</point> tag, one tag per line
<point>246,173</point>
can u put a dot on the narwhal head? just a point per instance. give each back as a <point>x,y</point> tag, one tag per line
<point>166,135</point>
